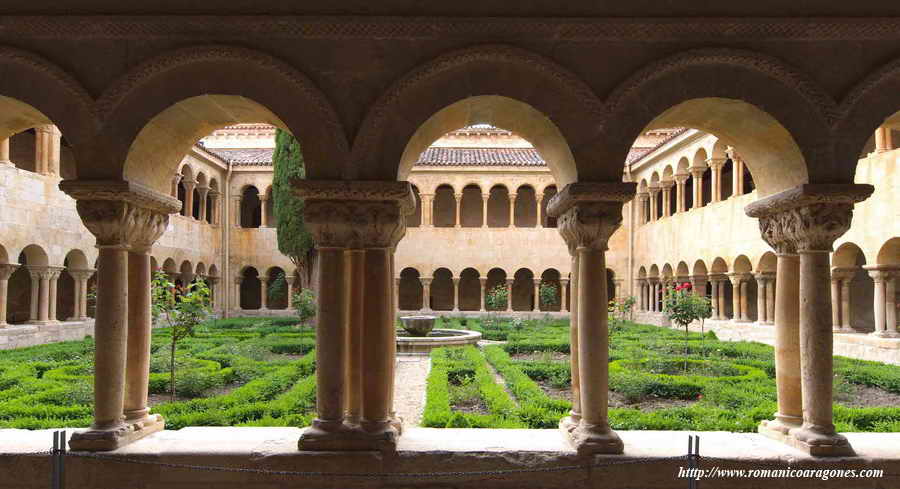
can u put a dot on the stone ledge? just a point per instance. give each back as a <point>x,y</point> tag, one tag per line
<point>647,460</point>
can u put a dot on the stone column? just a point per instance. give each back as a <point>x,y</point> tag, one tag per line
<point>890,306</point>
<point>883,141</point>
<point>264,292</point>
<point>654,190</point>
<point>563,293</point>
<point>214,299</point>
<point>6,271</point>
<point>588,213</point>
<point>4,153</point>
<point>512,209</point>
<point>723,315</point>
<point>714,296</point>
<point>458,208</point>
<point>761,284</point>
<point>354,274</point>
<point>264,214</point>
<point>204,192</point>
<point>539,198</point>
<point>840,299</point>
<point>176,179</point>
<point>697,173</point>
<point>35,283</point>
<point>426,293</point>
<point>214,219</point>
<point>884,302</point>
<point>484,209</point>
<point>716,165</point>
<point>40,150</point>
<point>116,213</point>
<point>54,278</point>
<point>427,209</point>
<point>835,303</point>
<point>456,294</point>
<point>368,216</point>
<point>189,187</point>
<point>811,217</point>
<point>667,198</point>
<point>44,296</point>
<point>680,180</point>
<point>509,294</point>
<point>76,296</point>
<point>537,295</point>
<point>573,420</point>
<point>236,199</point>
<point>397,292</point>
<point>483,282</point>
<point>845,303</point>
<point>771,284</point>
<point>236,297</point>
<point>140,324</point>
<point>745,309</point>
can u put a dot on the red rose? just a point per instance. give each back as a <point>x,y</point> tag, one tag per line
<point>687,285</point>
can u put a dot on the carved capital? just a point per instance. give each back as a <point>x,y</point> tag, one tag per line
<point>588,213</point>
<point>81,274</point>
<point>7,269</point>
<point>808,217</point>
<point>122,223</point>
<point>356,214</point>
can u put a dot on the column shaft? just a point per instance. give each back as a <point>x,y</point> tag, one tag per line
<point>722,313</point>
<point>84,291</point>
<point>378,347</point>
<point>456,294</point>
<point>845,304</point>
<point>4,152</point>
<point>537,296</point>
<point>485,198</point>
<point>835,304</point>
<point>110,333</point>
<point>264,292</point>
<point>331,333</point>
<point>36,295</point>
<point>509,295</point>
<point>574,365</point>
<point>745,309</point>
<point>264,215</point>
<point>137,369</point>
<point>44,305</point>
<point>354,279</point>
<point>761,300</point>
<point>787,340</point>
<point>482,282</point>
<point>890,307</point>
<point>879,300</point>
<point>512,210</point>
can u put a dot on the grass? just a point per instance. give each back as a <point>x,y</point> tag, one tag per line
<point>267,366</point>
<point>726,385</point>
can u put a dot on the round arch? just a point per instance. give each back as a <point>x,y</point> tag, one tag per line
<point>410,290</point>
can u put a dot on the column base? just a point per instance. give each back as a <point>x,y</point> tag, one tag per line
<point>594,439</point>
<point>779,428</point>
<point>94,440</point>
<point>820,444</point>
<point>886,334</point>
<point>569,423</point>
<point>348,438</point>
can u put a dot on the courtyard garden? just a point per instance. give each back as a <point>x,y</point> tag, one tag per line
<point>260,372</point>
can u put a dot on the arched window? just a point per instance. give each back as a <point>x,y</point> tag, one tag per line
<point>251,208</point>
<point>251,289</point>
<point>659,203</point>
<point>410,293</point>
<point>442,296</point>
<point>471,207</point>
<point>526,207</point>
<point>469,290</point>
<point>523,290</point>
<point>689,193</point>
<point>707,187</point>
<point>498,207</point>
<point>727,182</point>
<point>444,207</point>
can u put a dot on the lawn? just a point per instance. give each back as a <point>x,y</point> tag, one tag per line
<point>233,372</point>
<point>659,380</point>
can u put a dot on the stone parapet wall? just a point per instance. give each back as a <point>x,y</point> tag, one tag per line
<point>20,336</point>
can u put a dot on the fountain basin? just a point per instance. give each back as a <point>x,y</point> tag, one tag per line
<point>418,325</point>
<point>436,339</point>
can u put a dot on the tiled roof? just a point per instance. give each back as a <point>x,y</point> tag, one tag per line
<point>636,154</point>
<point>480,157</point>
<point>245,156</point>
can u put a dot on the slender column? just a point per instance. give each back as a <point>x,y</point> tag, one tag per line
<point>537,295</point>
<point>884,303</point>
<point>512,210</point>
<point>890,306</point>
<point>714,295</point>
<point>458,207</point>
<point>40,150</point>
<point>427,209</point>
<point>189,187</point>
<point>716,165</point>
<point>35,276</point>
<point>264,292</point>
<point>723,315</point>
<point>745,310</point>
<point>214,299</point>
<point>539,198</point>
<point>397,292</point>
<point>771,284</point>
<point>680,201</point>
<point>761,287</point>
<point>563,293</point>
<point>482,281</point>
<point>110,336</point>
<point>835,303</point>
<point>574,419</point>
<point>883,141</point>
<point>379,338</point>
<point>354,275</point>
<point>54,137</point>
<point>738,175</point>
<point>214,207</point>
<point>53,279</point>
<point>236,200</point>
<point>484,209</point>
<point>236,296</point>
<point>845,304</point>
<point>44,297</point>
<point>588,213</point>
<point>426,293</point>
<point>697,173</point>
<point>653,192</point>
<point>137,368</point>
<point>6,271</point>
<point>264,214</point>
<point>667,193</point>
<point>456,294</point>
<point>76,296</point>
<point>204,192</point>
<point>509,294</point>
<point>4,152</point>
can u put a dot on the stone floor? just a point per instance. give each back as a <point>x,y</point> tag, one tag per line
<point>256,458</point>
<point>409,387</point>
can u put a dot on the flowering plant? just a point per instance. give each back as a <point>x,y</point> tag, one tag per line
<point>684,307</point>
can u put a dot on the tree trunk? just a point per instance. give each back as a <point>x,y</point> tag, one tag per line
<point>172,367</point>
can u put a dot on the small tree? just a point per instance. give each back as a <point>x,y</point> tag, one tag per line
<point>497,298</point>
<point>549,294</point>
<point>683,307</point>
<point>183,309</point>
<point>278,289</point>
<point>619,309</point>
<point>304,302</point>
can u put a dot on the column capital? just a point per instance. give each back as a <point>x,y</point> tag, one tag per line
<point>681,178</point>
<point>588,213</point>
<point>667,184</point>
<point>696,171</point>
<point>455,280</point>
<point>737,277</point>
<point>7,269</point>
<point>426,280</point>
<point>842,273</point>
<point>808,217</point>
<point>764,275</point>
<point>121,213</point>
<point>716,163</point>
<point>483,280</point>
<point>538,281</point>
<point>563,282</point>
<point>882,272</point>
<point>356,214</point>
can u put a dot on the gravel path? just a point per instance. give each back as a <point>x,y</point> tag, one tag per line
<point>409,387</point>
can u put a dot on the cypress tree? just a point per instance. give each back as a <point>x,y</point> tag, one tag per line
<point>294,240</point>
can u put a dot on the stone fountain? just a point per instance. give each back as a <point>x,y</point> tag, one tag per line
<point>420,337</point>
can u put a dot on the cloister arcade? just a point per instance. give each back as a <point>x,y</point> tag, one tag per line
<point>798,125</point>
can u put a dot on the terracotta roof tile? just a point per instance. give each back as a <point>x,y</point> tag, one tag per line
<point>245,156</point>
<point>480,157</point>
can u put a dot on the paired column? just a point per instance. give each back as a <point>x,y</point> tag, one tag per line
<point>885,301</point>
<point>204,192</point>
<point>765,294</point>
<point>483,282</point>
<point>427,209</point>
<point>509,294</point>
<point>654,190</point>
<point>680,180</point>
<point>263,212</point>
<point>189,187</point>
<point>840,299</point>
<point>537,295</point>
<point>426,293</point>
<point>807,220</point>
<point>697,173</point>
<point>4,152</point>
<point>642,205</point>
<point>716,165</point>
<point>126,220</point>
<point>214,194</point>
<point>356,226</point>
<point>456,294</point>
<point>6,271</point>
<point>264,292</point>
<point>588,214</point>
<point>539,198</point>
<point>563,293</point>
<point>883,141</point>
<point>512,209</point>
<point>458,207</point>
<point>484,209</point>
<point>667,198</point>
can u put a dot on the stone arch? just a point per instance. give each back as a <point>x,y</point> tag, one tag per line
<point>495,277</point>
<point>547,221</point>
<point>36,92</point>
<point>779,116</point>
<point>523,290</point>
<point>148,105</point>
<point>469,290</point>
<point>276,288</point>
<point>444,207</point>
<point>250,289</point>
<point>547,105</point>
<point>889,254</point>
<point>551,277</point>
<point>719,266</point>
<point>442,297</point>
<point>187,274</point>
<point>700,268</point>
<point>34,255</point>
<point>213,271</point>
<point>742,264</point>
<point>847,263</point>
<point>681,270</point>
<point>526,207</point>
<point>169,266</point>
<point>471,207</point>
<point>200,270</point>
<point>21,299</point>
<point>251,207</point>
<point>410,290</point>
<point>498,207</point>
<point>654,271</point>
<point>642,272</point>
<point>768,263</point>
